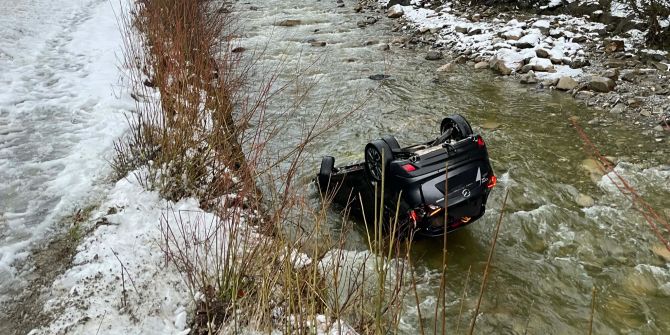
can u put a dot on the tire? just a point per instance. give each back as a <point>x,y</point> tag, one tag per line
<point>327,166</point>
<point>391,141</point>
<point>378,155</point>
<point>460,125</point>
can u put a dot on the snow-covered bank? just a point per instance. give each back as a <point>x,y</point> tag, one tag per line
<point>594,61</point>
<point>61,108</point>
<point>122,253</point>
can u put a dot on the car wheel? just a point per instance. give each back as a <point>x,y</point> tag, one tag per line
<point>327,166</point>
<point>391,141</point>
<point>461,127</point>
<point>377,156</point>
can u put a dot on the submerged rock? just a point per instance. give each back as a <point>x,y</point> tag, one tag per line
<point>584,200</point>
<point>289,23</point>
<point>379,76</point>
<point>446,67</point>
<point>434,55</point>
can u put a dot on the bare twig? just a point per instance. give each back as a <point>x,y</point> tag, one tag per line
<point>488,264</point>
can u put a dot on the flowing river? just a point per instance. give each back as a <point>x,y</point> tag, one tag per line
<point>566,229</point>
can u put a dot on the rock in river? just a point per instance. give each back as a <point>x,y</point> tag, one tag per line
<point>434,55</point>
<point>529,78</point>
<point>289,23</point>
<point>566,83</point>
<point>601,84</point>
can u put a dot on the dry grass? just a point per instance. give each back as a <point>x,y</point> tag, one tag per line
<point>250,262</point>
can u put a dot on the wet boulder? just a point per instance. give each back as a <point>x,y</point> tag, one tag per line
<point>566,83</point>
<point>601,84</point>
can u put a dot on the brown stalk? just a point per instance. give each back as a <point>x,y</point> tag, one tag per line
<point>488,264</point>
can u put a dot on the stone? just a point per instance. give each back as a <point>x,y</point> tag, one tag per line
<point>542,25</point>
<point>462,29</point>
<point>659,66</point>
<point>566,83</point>
<point>579,38</point>
<point>634,102</point>
<point>655,55</point>
<point>500,66</point>
<point>584,200</point>
<point>238,49</point>
<point>529,78</point>
<point>662,252</point>
<point>526,68</point>
<point>474,31</point>
<point>512,34</point>
<point>549,82</point>
<point>601,84</point>
<point>541,64</point>
<point>584,95</point>
<point>392,3</point>
<point>395,11</point>
<point>446,67</point>
<point>611,74</point>
<point>289,23</point>
<point>434,55</point>
<point>528,41</point>
<point>481,65</point>
<point>618,109</point>
<point>615,63</point>
<point>371,20</point>
<point>542,53</point>
<point>385,47</point>
<point>579,62</point>
<point>630,76</point>
<point>318,43</point>
<point>612,46</point>
<point>379,76</point>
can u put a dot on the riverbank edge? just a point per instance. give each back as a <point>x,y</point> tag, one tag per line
<point>634,83</point>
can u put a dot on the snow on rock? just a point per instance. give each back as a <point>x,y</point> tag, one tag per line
<point>513,34</point>
<point>508,61</point>
<point>542,25</point>
<point>395,11</point>
<point>90,295</point>
<point>528,41</point>
<point>541,64</point>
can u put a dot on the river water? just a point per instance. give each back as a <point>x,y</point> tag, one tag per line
<point>552,252</point>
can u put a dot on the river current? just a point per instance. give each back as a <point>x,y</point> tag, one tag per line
<point>556,245</point>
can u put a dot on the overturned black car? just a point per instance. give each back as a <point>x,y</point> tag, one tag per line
<point>414,179</point>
